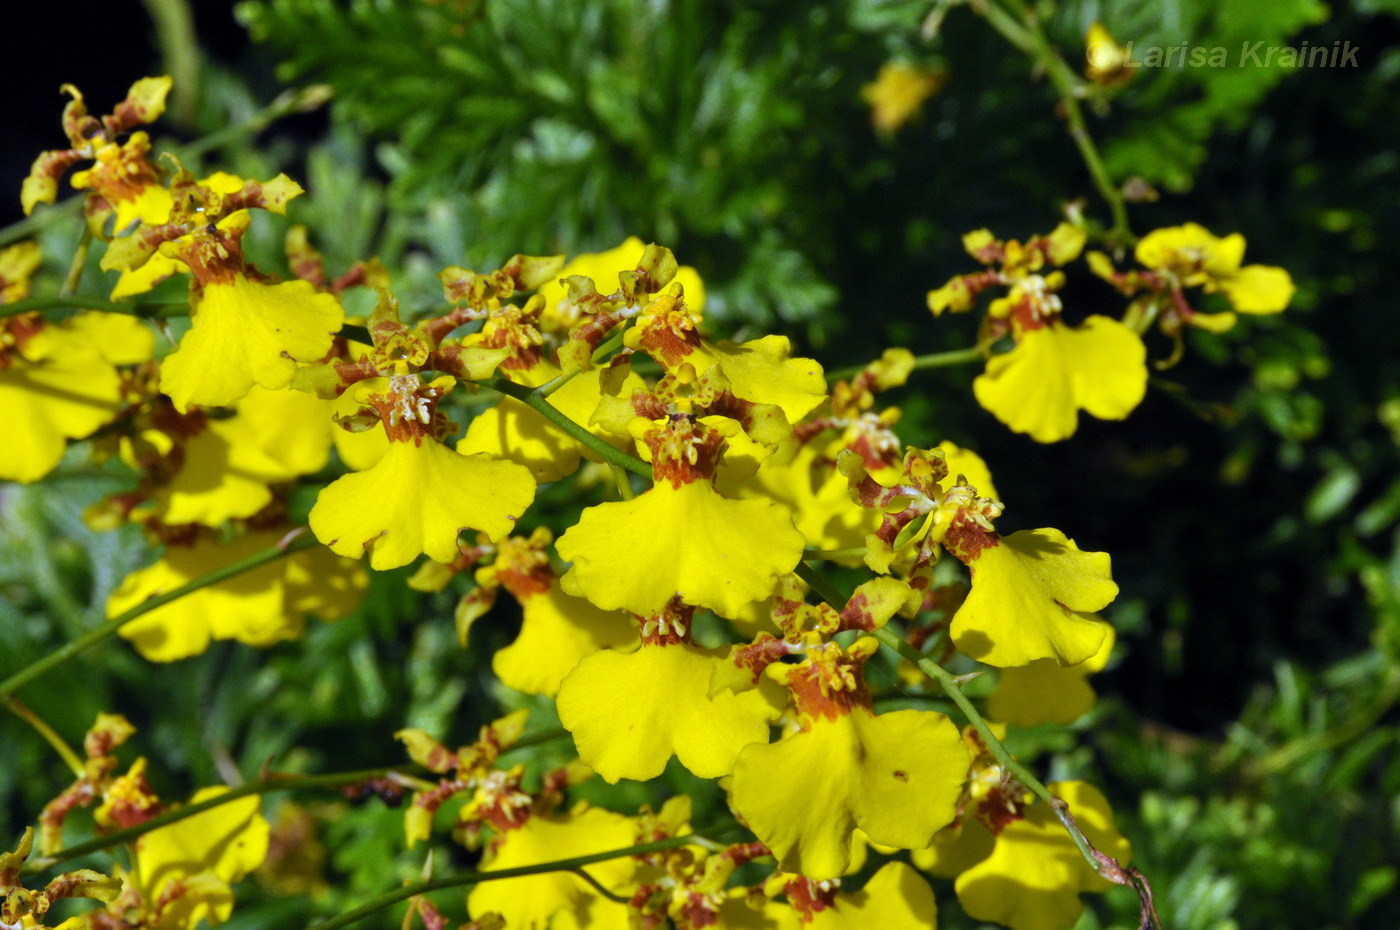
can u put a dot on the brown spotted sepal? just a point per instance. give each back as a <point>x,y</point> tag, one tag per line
<point>88,135</point>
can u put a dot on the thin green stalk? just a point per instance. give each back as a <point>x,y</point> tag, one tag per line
<point>150,310</point>
<point>103,630</point>
<point>1027,35</point>
<point>541,404</point>
<point>833,554</point>
<point>600,354</point>
<point>624,483</point>
<point>261,786</point>
<point>23,712</point>
<point>424,886</point>
<point>31,225</point>
<point>179,53</point>
<point>921,362</point>
<point>1102,864</point>
<point>79,263</point>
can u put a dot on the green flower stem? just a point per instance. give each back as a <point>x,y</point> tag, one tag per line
<point>100,632</point>
<point>32,224</point>
<point>79,263</point>
<point>150,310</point>
<point>300,100</point>
<point>833,554</point>
<point>600,354</point>
<point>22,711</point>
<point>921,362</point>
<point>1028,35</point>
<point>423,886</point>
<point>179,52</point>
<point>533,399</point>
<point>263,785</point>
<point>623,481</point>
<point>1102,864</point>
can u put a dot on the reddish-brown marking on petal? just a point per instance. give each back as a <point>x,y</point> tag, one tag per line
<point>808,897</point>
<point>967,541</point>
<point>761,653</point>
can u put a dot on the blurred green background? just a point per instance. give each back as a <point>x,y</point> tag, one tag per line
<point>1247,734</point>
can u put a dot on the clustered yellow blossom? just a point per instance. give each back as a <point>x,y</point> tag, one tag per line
<point>671,601</point>
<point>1053,370</point>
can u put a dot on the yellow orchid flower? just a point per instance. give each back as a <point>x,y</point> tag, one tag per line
<point>681,538</point>
<point>898,93</point>
<point>183,871</point>
<point>1034,874</point>
<point>630,713</point>
<point>60,382</point>
<point>420,495</point>
<point>260,607</point>
<point>896,776</point>
<point>538,902</point>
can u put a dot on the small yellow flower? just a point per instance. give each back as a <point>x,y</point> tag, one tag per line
<point>244,331</point>
<point>514,432</point>
<point>898,93</point>
<point>557,629</point>
<point>603,268</point>
<point>896,776</point>
<point>1034,875</point>
<point>531,902</point>
<point>681,538</point>
<point>1106,62</point>
<point>60,382</point>
<point>1196,258</point>
<point>1033,595</point>
<point>630,713</point>
<point>184,871</point>
<point>260,607</point>
<point>1039,387</point>
<point>420,495</point>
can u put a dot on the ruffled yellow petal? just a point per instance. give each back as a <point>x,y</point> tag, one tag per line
<point>956,849</point>
<point>1033,877</point>
<point>530,902</point>
<point>818,498</point>
<point>49,401</point>
<point>896,776</point>
<point>264,606</point>
<point>514,432</point>
<point>224,476</point>
<point>1031,597</point>
<point>219,846</point>
<point>1259,289</point>
<point>763,371</point>
<point>292,428</point>
<point>630,713</point>
<point>415,500</point>
<point>1190,247</point>
<point>557,631</point>
<point>689,541</point>
<point>895,898</point>
<point>604,267</point>
<point>1039,387</point>
<point>1045,691</point>
<point>248,333</point>
<point>117,337</point>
